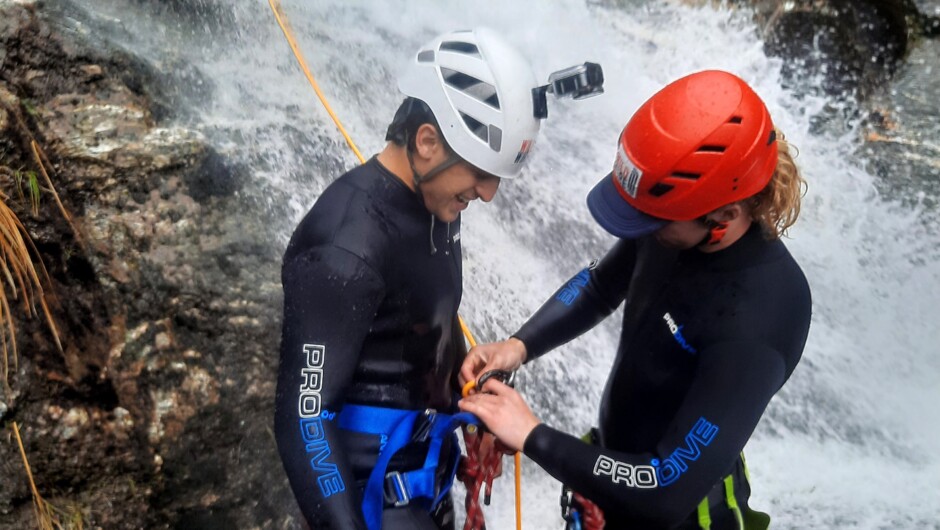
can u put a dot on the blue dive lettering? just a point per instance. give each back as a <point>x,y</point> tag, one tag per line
<point>570,292</point>
<point>672,467</point>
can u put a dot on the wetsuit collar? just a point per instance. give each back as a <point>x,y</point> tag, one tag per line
<point>751,249</point>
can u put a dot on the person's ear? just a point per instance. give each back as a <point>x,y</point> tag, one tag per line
<point>427,141</point>
<point>727,213</point>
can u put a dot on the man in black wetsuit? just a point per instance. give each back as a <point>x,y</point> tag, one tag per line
<point>715,318</point>
<point>372,283</point>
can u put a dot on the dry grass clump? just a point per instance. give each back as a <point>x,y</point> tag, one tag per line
<point>20,267</point>
<point>48,517</point>
<point>18,271</point>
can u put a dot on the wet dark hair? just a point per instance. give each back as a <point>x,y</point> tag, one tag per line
<point>411,114</point>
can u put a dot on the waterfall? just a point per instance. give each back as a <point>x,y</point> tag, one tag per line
<point>850,442</point>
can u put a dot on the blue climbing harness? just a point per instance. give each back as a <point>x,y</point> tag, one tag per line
<point>398,427</point>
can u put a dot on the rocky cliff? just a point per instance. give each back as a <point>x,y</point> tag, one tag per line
<point>165,288</point>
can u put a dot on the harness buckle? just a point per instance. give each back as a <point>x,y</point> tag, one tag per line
<point>423,431</point>
<point>396,491</point>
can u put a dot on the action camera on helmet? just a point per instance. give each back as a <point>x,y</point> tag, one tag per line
<point>578,82</point>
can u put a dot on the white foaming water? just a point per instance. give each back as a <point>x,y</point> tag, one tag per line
<point>850,442</point>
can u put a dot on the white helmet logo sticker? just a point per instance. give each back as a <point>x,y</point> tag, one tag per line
<point>628,175</point>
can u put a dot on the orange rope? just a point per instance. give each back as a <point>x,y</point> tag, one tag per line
<point>517,460</point>
<point>470,339</point>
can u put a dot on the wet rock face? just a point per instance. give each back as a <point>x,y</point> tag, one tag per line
<point>902,130</point>
<point>849,45</point>
<point>156,413</point>
<point>883,52</point>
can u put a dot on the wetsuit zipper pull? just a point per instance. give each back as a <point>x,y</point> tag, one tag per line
<point>448,241</point>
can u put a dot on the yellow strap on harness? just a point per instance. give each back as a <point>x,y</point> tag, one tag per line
<point>732,501</point>
<point>748,519</point>
<point>704,517</point>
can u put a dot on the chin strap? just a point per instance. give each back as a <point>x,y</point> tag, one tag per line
<point>418,178</point>
<point>716,231</point>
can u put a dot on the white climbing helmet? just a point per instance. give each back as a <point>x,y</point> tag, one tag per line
<point>480,90</point>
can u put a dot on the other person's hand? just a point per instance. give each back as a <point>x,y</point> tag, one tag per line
<point>503,411</point>
<point>505,355</point>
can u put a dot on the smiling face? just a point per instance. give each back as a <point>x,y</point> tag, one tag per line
<point>450,191</point>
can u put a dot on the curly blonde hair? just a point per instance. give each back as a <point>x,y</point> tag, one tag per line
<point>777,206</point>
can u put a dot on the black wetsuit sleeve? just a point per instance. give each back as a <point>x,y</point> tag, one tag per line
<point>330,299</point>
<point>581,303</point>
<point>733,385</point>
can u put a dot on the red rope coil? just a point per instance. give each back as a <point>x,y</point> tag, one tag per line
<point>477,470</point>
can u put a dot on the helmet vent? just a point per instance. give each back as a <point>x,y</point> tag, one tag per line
<point>660,189</point>
<point>496,138</point>
<point>465,48</point>
<point>711,149</point>
<point>736,119</point>
<point>689,176</point>
<point>471,86</point>
<point>477,127</point>
<point>426,56</point>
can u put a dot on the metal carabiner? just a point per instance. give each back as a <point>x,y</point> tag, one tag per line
<point>505,376</point>
<point>508,378</point>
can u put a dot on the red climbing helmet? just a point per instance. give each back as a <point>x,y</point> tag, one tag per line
<point>700,143</point>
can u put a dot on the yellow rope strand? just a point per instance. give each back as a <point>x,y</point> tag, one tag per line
<point>466,332</point>
<point>282,22</point>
